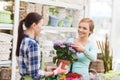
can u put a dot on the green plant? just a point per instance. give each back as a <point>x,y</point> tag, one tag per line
<point>105,53</point>
<point>53,11</point>
<point>64,51</point>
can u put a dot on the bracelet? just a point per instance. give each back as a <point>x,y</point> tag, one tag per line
<point>55,72</point>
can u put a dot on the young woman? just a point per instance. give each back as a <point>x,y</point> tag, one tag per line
<point>86,49</point>
<point>28,51</point>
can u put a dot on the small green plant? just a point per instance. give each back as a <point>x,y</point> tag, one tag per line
<point>53,11</point>
<point>105,53</point>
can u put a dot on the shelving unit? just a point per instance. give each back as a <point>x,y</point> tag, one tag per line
<point>58,4</point>
<point>7,27</point>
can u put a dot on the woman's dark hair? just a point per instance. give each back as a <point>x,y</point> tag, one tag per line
<point>31,18</point>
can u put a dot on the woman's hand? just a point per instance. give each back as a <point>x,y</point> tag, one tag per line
<point>78,47</point>
<point>59,70</point>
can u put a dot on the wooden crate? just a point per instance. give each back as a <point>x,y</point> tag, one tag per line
<point>45,13</point>
<point>5,73</point>
<point>38,8</point>
<point>98,65</point>
<point>26,8</point>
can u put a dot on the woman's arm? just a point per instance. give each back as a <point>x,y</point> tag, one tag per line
<point>34,62</point>
<point>58,70</point>
<point>90,52</point>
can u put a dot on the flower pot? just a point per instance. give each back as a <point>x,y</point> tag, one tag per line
<point>65,63</point>
<point>54,20</point>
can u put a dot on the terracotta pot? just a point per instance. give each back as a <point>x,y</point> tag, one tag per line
<point>65,63</point>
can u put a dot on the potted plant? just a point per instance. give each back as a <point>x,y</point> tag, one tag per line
<point>105,53</point>
<point>64,52</point>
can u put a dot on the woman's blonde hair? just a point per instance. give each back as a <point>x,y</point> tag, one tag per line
<point>91,23</point>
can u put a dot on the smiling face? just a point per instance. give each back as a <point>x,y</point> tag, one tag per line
<point>85,27</point>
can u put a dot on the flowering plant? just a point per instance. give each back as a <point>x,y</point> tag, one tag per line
<point>74,76</point>
<point>71,76</point>
<point>64,51</point>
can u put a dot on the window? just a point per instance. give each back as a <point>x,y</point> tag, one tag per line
<point>101,13</point>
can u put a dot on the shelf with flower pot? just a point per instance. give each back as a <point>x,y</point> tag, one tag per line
<point>6,15</point>
<point>54,19</point>
<point>6,38</point>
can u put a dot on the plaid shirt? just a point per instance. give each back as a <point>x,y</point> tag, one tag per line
<point>30,58</point>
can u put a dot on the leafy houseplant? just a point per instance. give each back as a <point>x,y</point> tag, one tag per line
<point>64,51</point>
<point>105,53</point>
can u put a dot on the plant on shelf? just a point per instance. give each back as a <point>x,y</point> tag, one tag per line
<point>64,51</point>
<point>106,56</point>
<point>53,11</point>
